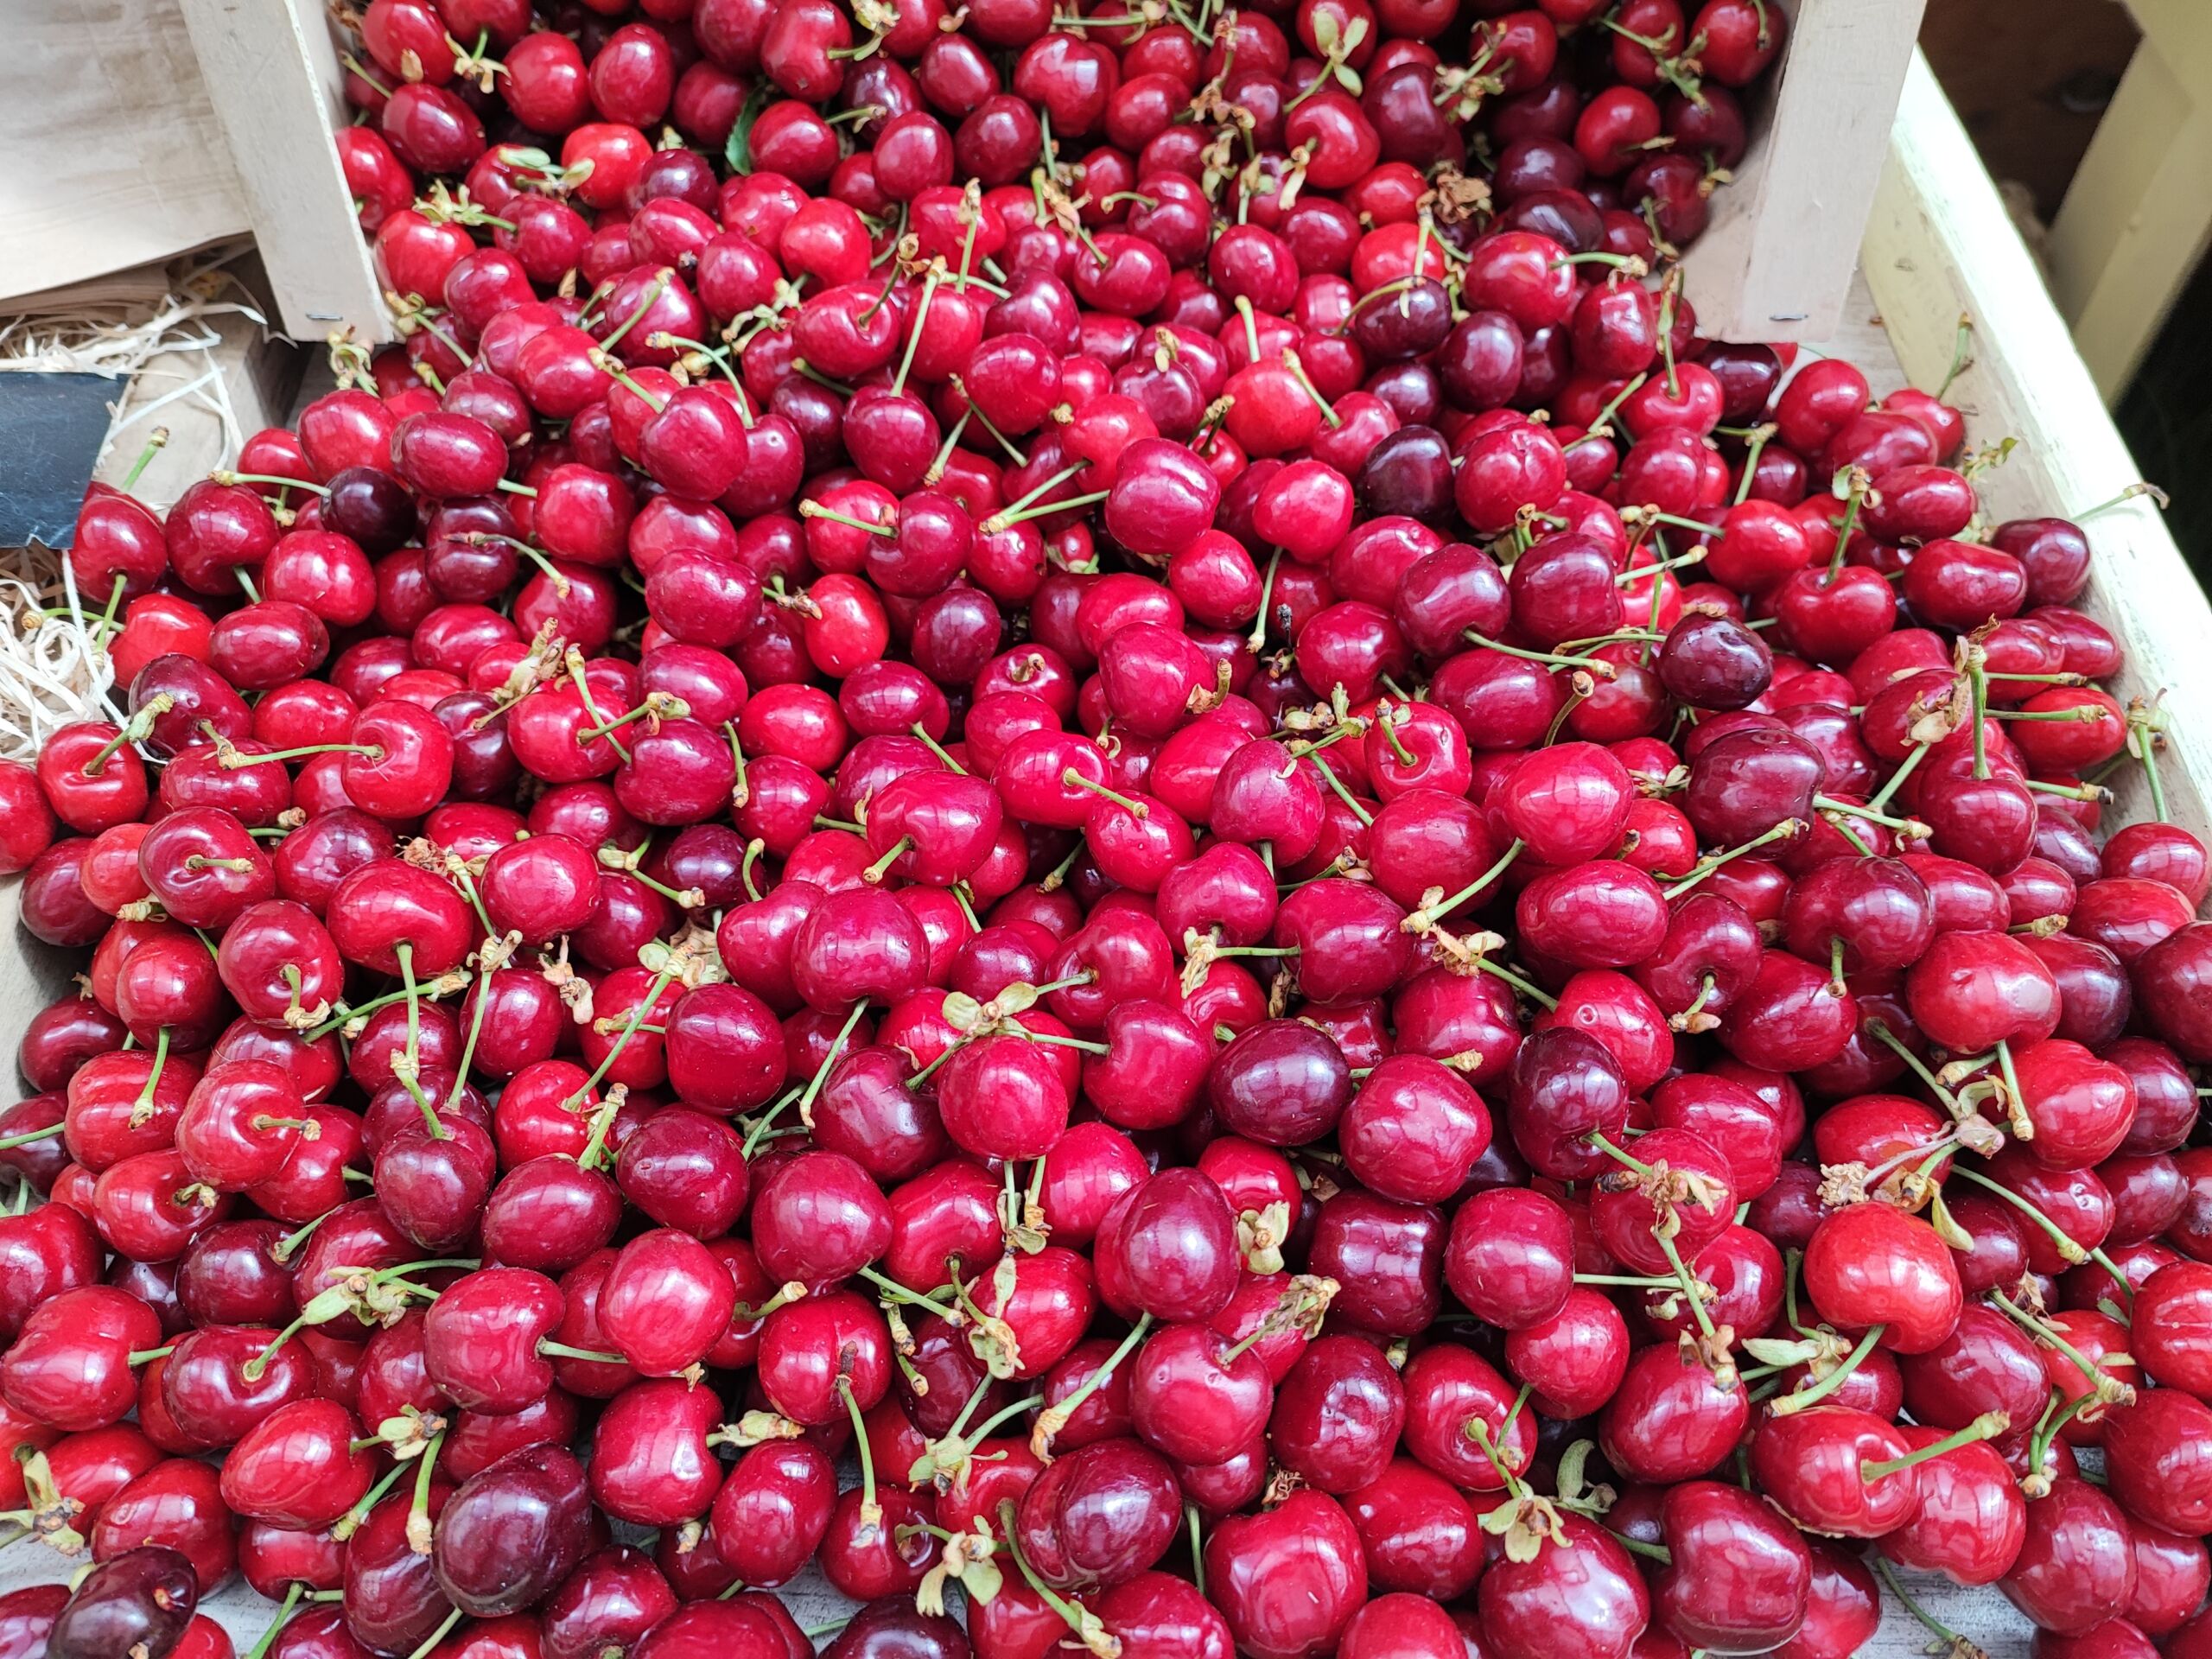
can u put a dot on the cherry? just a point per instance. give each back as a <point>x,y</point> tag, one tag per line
<point>296,1467</point>
<point>1738,1577</point>
<point>141,1598</point>
<point>1579,1580</point>
<point>1972,1521</point>
<point>2075,1568</point>
<point>1870,1264</point>
<point>70,1365</point>
<point>1307,1537</point>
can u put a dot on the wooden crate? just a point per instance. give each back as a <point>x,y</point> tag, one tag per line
<point>1938,244</point>
<point>1775,263</point>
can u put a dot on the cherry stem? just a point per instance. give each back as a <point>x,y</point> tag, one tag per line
<point>1934,1626</point>
<point>1962,350</point>
<point>107,623</point>
<point>914,331</point>
<point>1251,327</point>
<point>1298,372</point>
<point>1786,830</point>
<point>1597,665</point>
<point>1857,489</point>
<point>144,1103</point>
<point>1689,1283</point>
<point>1596,1139</point>
<point>654,289</point>
<point>1755,445</point>
<point>717,355</point>
<point>1695,555</point>
<point>2069,791</point>
<point>2055,1418</point>
<point>610,366</point>
<point>553,1349</point>
<point>1906,827</point>
<point>573,663</point>
<point>676,709</point>
<point>899,1292</point>
<point>2069,1249</point>
<point>2133,492</point>
<point>937,748</point>
<point>1790,1403</point>
<point>1880,1032</point>
<point>1690,1015</point>
<point>1666,323</point>
<point>1258,638</point>
<point>272,479</point>
<point>429,1641</point>
<point>156,440</point>
<point>1498,970</point>
<point>1056,1418</point>
<point>816,509</point>
<point>1444,907</point>
<point>284,1611</point>
<point>638,1014</point>
<point>1338,787</point>
<point>875,872</point>
<point>1071,779</point>
<point>1513,1415</point>
<point>10,1142</point>
<point>1005,1415</point>
<point>1599,426</point>
<point>1078,1619</point>
<point>814,1085</point>
<point>475,1029</point>
<point>1389,730</point>
<point>135,730</point>
<point>936,473</point>
<point>984,421</point>
<point>1479,1431</point>
<point>1904,771</point>
<point>871,1511</point>
<point>405,952</point>
<point>740,791</point>
<point>1637,1546</point>
<point>1986,1426</point>
<point>929,1070</point>
<point>561,585</point>
<point>1007,517</point>
<point>350,1523</point>
<point>1052,1041</point>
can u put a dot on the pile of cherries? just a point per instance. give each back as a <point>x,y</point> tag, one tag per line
<point>1114,850</point>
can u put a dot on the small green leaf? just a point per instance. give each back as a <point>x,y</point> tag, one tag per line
<point>738,153</point>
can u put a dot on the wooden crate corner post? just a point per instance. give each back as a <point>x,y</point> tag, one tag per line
<point>1778,258</point>
<point>274,78</point>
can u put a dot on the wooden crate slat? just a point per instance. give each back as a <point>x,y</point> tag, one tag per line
<point>275,82</point>
<point>1939,244</point>
<point>1778,258</point>
<point>2138,216</point>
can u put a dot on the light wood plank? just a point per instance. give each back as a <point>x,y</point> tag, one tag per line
<point>114,157</point>
<point>1777,261</point>
<point>2138,216</point>
<point>277,84</point>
